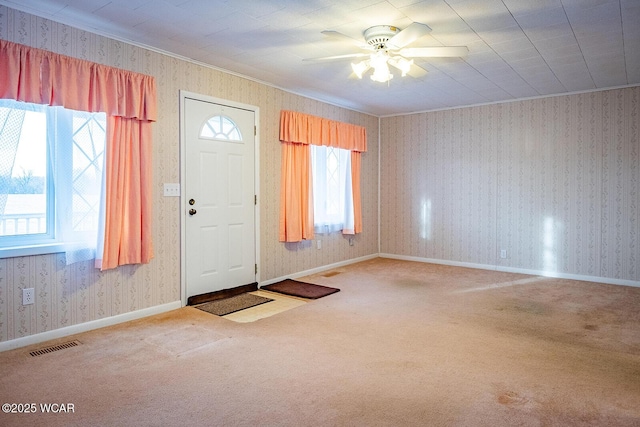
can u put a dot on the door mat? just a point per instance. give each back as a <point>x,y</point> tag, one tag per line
<point>300,289</point>
<point>230,305</point>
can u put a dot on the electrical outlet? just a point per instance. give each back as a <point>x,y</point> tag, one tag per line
<point>503,253</point>
<point>319,244</point>
<point>351,241</point>
<point>172,190</point>
<point>28,296</point>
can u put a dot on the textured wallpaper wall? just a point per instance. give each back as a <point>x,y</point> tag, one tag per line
<point>553,181</point>
<point>71,295</point>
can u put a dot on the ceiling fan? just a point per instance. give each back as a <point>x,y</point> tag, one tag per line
<point>386,45</point>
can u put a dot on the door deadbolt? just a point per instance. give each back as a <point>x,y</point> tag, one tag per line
<point>192,211</point>
<point>192,202</point>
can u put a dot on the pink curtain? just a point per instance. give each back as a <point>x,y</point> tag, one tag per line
<point>128,178</point>
<point>129,100</point>
<point>297,131</point>
<point>296,198</point>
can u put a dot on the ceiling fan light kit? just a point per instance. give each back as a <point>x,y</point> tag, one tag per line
<point>377,37</point>
<point>387,44</point>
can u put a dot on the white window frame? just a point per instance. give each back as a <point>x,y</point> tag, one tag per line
<point>327,220</point>
<point>57,238</point>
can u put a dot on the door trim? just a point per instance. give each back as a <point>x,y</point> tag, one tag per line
<point>182,204</point>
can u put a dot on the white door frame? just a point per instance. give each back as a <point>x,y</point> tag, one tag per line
<point>183,158</point>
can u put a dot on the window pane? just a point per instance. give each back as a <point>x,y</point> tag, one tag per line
<point>23,171</point>
<point>88,157</point>
<point>333,202</point>
<point>51,162</point>
<point>220,127</point>
<point>332,195</point>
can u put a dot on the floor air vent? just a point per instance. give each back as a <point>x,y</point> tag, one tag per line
<point>53,348</point>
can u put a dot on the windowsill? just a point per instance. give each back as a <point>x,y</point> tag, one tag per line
<point>328,229</point>
<point>43,249</point>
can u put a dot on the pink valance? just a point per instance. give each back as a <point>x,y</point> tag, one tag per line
<point>34,75</point>
<point>306,129</point>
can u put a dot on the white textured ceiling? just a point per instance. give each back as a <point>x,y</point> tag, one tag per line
<point>517,48</point>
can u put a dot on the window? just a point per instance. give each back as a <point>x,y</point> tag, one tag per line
<point>299,133</point>
<point>51,162</point>
<point>332,193</point>
<point>220,127</point>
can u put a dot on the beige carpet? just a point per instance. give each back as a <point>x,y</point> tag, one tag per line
<point>402,344</point>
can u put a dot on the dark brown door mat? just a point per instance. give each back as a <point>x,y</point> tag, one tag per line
<point>230,305</point>
<point>224,293</point>
<point>300,289</point>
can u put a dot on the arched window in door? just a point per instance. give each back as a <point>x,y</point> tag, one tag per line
<point>220,127</point>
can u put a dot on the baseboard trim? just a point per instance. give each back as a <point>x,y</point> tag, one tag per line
<point>318,269</point>
<point>87,326</point>
<point>583,278</point>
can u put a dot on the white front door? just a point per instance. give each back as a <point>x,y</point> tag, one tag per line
<point>219,197</point>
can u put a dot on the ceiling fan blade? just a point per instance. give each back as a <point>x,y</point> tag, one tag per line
<point>337,57</point>
<point>342,37</point>
<point>410,34</point>
<point>417,71</point>
<point>434,52</point>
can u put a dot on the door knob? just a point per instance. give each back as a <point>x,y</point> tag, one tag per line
<point>192,202</point>
<point>192,211</point>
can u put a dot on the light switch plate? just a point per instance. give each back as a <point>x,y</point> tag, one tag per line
<point>172,190</point>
